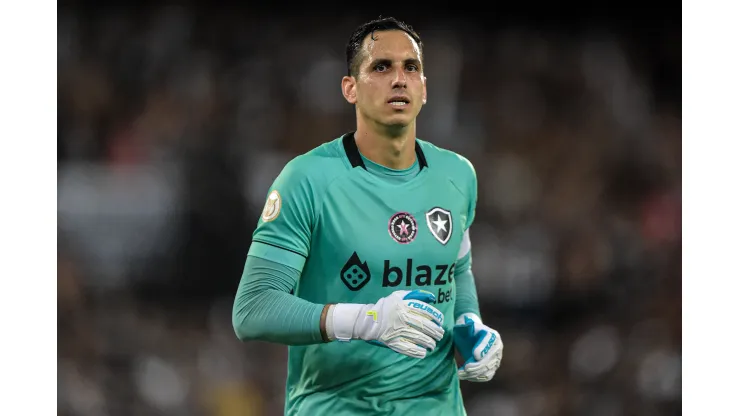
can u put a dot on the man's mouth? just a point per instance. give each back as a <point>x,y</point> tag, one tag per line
<point>399,101</point>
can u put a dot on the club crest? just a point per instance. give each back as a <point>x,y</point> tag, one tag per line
<point>439,221</point>
<point>402,227</point>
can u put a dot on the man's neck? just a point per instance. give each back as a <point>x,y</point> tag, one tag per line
<point>394,151</point>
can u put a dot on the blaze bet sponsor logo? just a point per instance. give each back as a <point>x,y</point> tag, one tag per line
<point>356,274</point>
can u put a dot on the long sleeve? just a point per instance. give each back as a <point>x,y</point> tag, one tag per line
<point>265,310</point>
<point>467,297</point>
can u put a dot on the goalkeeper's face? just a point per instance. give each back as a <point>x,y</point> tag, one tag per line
<point>390,88</point>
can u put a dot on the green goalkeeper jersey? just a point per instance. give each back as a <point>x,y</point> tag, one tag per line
<point>357,237</point>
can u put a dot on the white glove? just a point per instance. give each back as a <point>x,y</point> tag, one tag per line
<point>403,321</point>
<point>480,346</point>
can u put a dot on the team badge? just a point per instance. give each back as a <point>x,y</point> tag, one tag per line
<point>272,206</point>
<point>439,221</point>
<point>402,227</point>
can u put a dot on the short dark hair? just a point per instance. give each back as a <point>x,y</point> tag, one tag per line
<point>378,25</point>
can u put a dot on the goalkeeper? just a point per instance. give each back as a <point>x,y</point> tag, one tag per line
<point>361,259</point>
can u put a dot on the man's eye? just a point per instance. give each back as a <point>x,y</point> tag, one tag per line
<point>412,68</point>
<point>380,67</point>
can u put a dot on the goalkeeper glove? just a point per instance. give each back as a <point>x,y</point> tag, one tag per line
<point>402,321</point>
<point>480,346</point>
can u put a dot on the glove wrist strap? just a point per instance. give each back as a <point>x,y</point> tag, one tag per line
<point>342,320</point>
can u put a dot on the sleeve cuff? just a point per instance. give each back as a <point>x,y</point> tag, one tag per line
<point>277,254</point>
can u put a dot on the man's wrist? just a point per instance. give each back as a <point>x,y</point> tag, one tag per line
<point>325,324</point>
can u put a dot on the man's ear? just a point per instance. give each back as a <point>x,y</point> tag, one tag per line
<point>349,89</point>
<point>424,91</point>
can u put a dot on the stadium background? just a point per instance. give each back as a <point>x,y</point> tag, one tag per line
<point>173,120</point>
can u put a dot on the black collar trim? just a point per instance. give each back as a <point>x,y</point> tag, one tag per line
<point>353,153</point>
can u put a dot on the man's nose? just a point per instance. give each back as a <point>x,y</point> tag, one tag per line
<point>399,78</point>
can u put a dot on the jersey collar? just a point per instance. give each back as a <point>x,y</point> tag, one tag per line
<point>353,153</point>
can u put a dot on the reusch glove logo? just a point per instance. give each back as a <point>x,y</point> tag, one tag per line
<point>437,315</point>
<point>355,273</point>
<point>488,346</point>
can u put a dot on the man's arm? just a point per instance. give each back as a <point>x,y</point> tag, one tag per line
<point>466,300</point>
<point>264,307</point>
<point>264,310</point>
<point>480,346</point>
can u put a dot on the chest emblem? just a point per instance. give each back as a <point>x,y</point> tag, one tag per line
<point>402,227</point>
<point>439,221</point>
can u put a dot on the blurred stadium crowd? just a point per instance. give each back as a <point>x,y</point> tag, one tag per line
<point>173,123</point>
